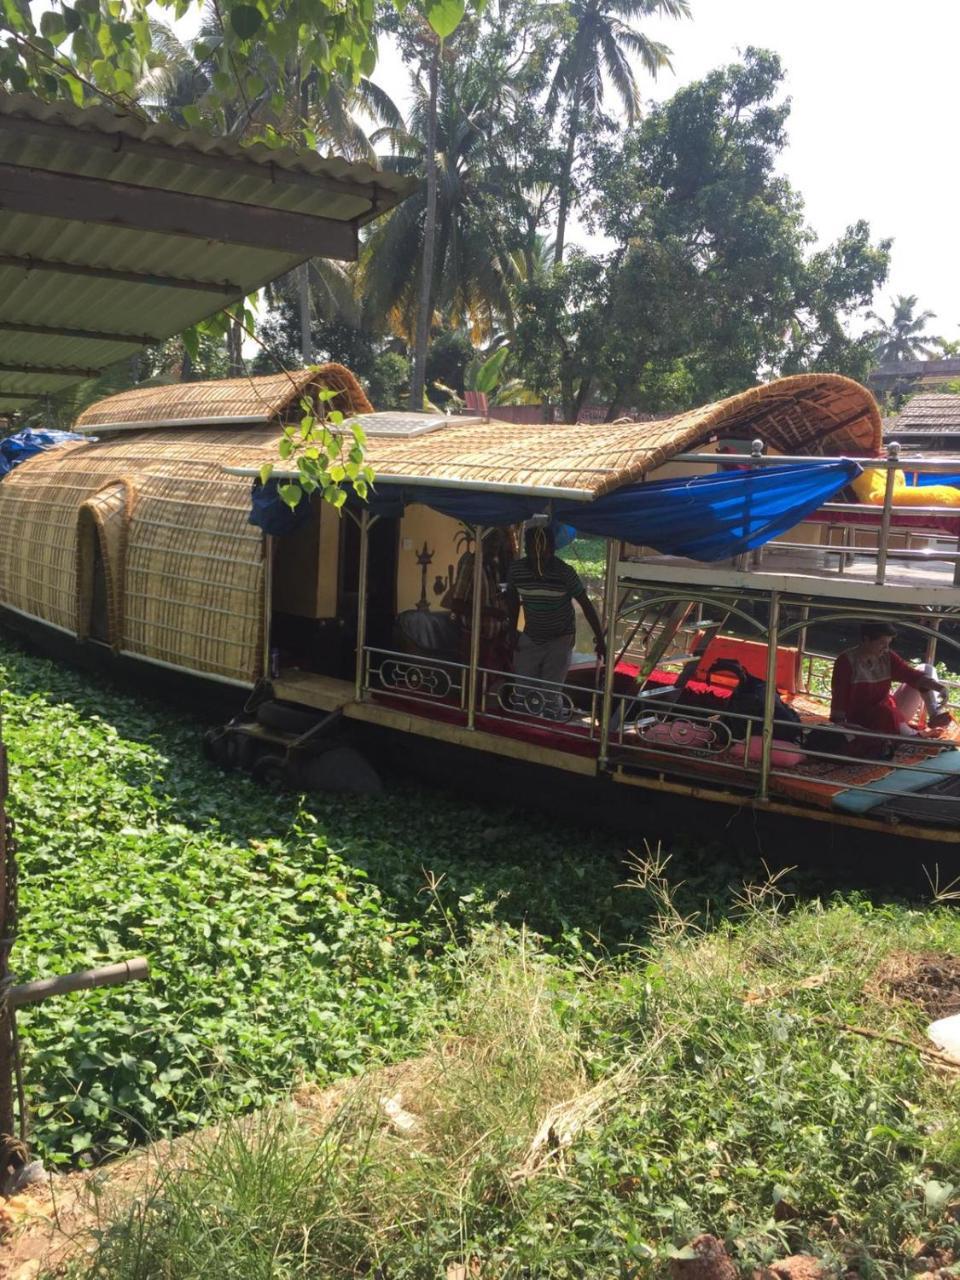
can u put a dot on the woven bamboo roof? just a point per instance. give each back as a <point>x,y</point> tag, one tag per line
<point>227,402</point>
<point>806,414</point>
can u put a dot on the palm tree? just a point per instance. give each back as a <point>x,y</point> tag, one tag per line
<point>904,336</point>
<point>601,45</point>
<point>473,266</point>
<point>179,79</point>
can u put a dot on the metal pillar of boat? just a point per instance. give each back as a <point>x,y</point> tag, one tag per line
<point>893,456</point>
<point>610,602</point>
<point>769,696</point>
<point>476,614</point>
<point>366,523</point>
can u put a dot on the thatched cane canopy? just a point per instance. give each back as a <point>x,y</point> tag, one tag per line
<point>805,414</point>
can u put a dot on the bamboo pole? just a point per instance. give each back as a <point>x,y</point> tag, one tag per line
<point>476,606</point>
<point>769,696</point>
<point>110,975</point>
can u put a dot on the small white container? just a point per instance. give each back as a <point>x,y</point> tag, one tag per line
<point>945,1034</point>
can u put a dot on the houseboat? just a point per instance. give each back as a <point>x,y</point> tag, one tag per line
<point>746,543</point>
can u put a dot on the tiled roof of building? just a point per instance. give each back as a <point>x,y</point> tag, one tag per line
<point>928,415</point>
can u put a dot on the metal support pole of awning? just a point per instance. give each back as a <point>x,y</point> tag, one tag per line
<point>883,538</point>
<point>366,522</point>
<point>476,614</point>
<point>769,698</point>
<point>610,601</point>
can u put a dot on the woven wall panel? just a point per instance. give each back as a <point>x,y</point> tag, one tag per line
<point>191,566</point>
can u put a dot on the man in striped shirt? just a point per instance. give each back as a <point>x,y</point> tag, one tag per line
<point>546,587</point>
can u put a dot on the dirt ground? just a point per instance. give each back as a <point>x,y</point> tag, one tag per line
<point>929,980</point>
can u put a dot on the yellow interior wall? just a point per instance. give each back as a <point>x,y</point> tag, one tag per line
<point>305,566</point>
<point>331,523</point>
<point>421,525</point>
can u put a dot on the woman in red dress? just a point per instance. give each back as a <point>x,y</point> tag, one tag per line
<point>862,681</point>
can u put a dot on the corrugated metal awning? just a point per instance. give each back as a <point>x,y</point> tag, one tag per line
<point>116,233</point>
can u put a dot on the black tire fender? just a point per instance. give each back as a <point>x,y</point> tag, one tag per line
<point>272,772</point>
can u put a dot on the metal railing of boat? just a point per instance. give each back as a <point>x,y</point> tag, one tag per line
<point>474,690</point>
<point>883,552</point>
<point>646,728</point>
<point>569,710</point>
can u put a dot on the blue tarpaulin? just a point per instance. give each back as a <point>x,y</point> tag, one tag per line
<point>712,517</point>
<point>28,443</point>
<point>703,517</point>
<point>269,512</point>
<point>923,479</point>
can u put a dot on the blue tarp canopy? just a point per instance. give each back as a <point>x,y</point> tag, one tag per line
<point>712,517</point>
<point>923,479</point>
<point>703,518</point>
<point>28,443</point>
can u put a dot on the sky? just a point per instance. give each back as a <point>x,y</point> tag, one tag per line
<point>874,91</point>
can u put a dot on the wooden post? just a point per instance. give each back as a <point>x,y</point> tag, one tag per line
<point>770,696</point>
<point>893,455</point>
<point>476,614</point>
<point>13,1150</point>
<point>610,594</point>
<point>8,926</point>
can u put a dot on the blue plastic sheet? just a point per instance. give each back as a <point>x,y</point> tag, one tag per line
<point>269,512</point>
<point>28,443</point>
<point>923,479</point>
<point>704,517</point>
<point>712,517</point>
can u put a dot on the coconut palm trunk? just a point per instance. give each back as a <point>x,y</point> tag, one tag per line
<point>566,176</point>
<point>303,298</point>
<point>419,371</point>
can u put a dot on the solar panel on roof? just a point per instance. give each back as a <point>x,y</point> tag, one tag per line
<point>409,424</point>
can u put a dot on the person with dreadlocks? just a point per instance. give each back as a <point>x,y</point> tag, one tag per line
<point>546,586</point>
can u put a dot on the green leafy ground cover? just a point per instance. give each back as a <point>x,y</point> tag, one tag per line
<point>281,940</point>
<point>290,943</point>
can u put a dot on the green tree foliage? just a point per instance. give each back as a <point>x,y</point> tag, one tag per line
<point>472,267</point>
<point>383,372</point>
<point>904,336</point>
<point>597,43</point>
<point>103,49</point>
<point>711,284</point>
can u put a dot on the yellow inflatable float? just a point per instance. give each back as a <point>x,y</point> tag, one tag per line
<point>871,487</point>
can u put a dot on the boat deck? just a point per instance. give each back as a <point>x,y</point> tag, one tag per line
<point>817,571</point>
<point>829,785</point>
